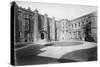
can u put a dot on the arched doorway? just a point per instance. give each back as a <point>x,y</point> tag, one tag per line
<point>42,35</point>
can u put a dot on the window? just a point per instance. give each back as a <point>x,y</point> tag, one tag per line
<point>25,40</point>
<point>74,33</point>
<point>26,15</point>
<point>72,25</point>
<point>80,38</point>
<point>70,33</point>
<point>83,22</point>
<point>21,35</point>
<point>26,25</point>
<point>19,13</point>
<point>79,23</point>
<point>69,26</point>
<point>75,25</point>
<point>79,32</point>
<point>63,31</point>
<point>63,23</point>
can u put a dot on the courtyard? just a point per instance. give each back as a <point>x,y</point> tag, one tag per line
<point>56,52</point>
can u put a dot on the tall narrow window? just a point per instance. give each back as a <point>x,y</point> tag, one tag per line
<point>79,32</point>
<point>72,26</point>
<point>75,25</point>
<point>26,25</point>
<point>79,23</point>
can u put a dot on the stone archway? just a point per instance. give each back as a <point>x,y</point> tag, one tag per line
<point>42,35</point>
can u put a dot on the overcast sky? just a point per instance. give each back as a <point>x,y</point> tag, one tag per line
<point>59,11</point>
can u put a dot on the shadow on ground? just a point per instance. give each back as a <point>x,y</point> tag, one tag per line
<point>19,45</point>
<point>64,44</point>
<point>28,56</point>
<point>81,55</point>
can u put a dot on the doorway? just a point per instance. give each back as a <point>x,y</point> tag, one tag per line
<point>42,35</point>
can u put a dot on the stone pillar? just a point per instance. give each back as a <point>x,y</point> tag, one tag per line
<point>53,29</point>
<point>36,32</point>
<point>45,26</point>
<point>45,22</point>
<point>57,30</point>
<point>83,35</point>
<point>50,29</point>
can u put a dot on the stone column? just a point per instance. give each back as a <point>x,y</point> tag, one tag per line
<point>45,22</point>
<point>53,28</point>
<point>36,32</point>
<point>45,27</point>
<point>83,35</point>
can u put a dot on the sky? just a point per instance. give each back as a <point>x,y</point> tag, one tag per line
<point>59,11</point>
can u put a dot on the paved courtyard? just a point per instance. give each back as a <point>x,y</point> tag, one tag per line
<point>56,52</point>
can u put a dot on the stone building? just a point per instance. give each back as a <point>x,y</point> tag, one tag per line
<point>57,30</point>
<point>44,27</point>
<point>91,27</point>
<point>84,28</point>
<point>62,26</point>
<point>29,26</point>
<point>23,24</point>
<point>75,29</point>
<point>52,23</point>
